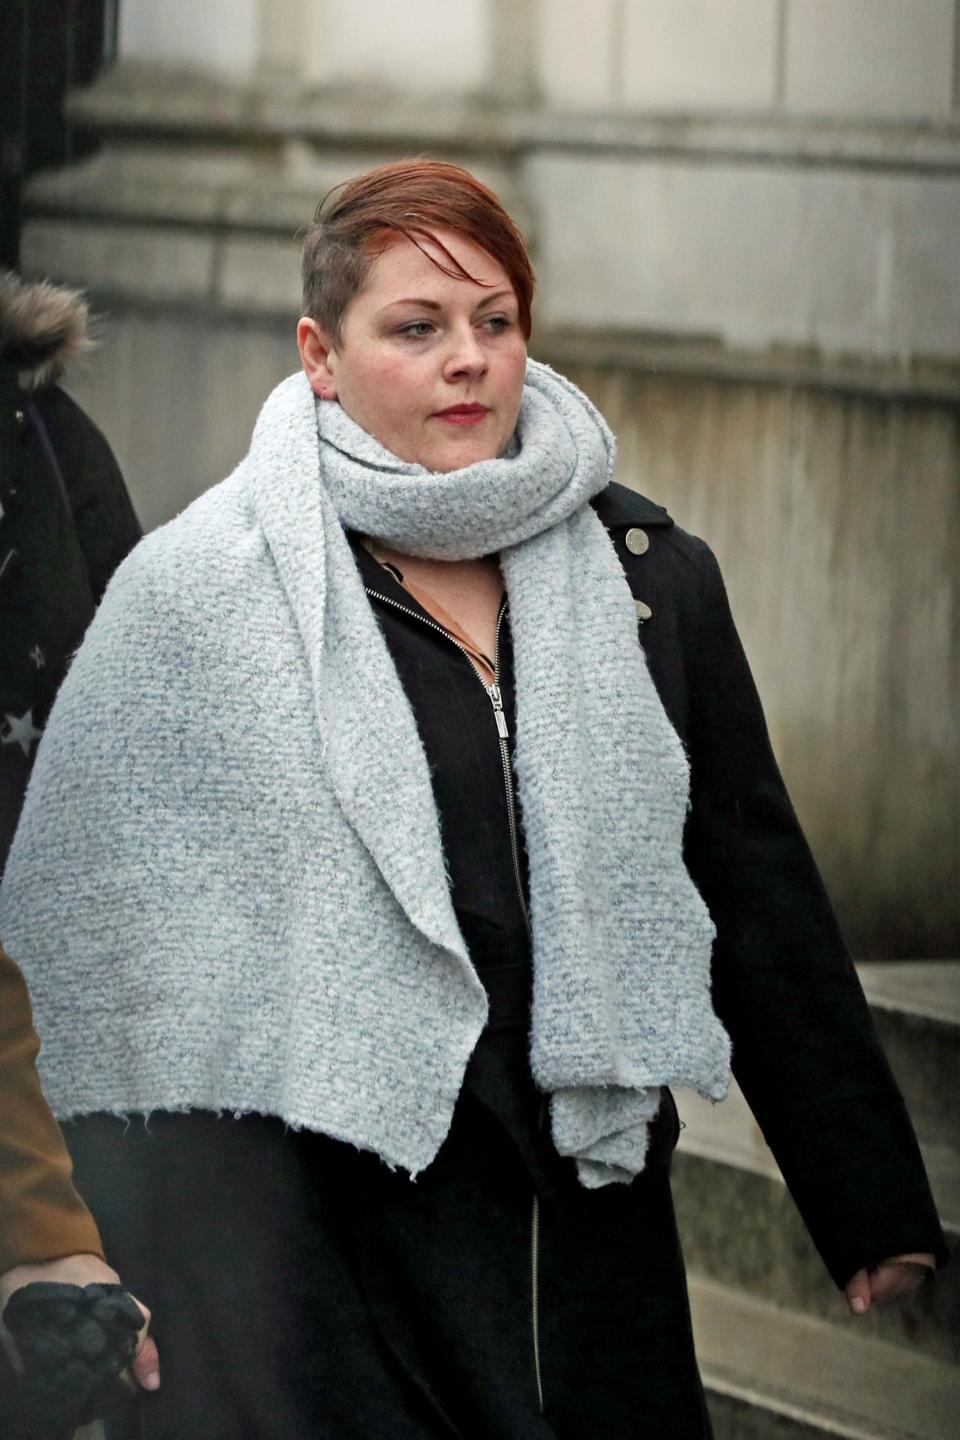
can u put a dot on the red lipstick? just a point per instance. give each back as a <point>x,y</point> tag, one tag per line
<point>462,414</point>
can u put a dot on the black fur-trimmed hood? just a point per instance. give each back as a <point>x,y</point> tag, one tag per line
<point>42,326</point>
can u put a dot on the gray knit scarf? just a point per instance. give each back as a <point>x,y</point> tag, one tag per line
<point>231,840</point>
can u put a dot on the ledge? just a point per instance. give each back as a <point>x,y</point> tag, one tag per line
<point>705,358</point>
<point>201,188</point>
<point>144,100</point>
<point>270,187</point>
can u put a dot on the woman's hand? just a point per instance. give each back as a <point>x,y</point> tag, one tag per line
<point>876,1284</point>
<point>79,1270</point>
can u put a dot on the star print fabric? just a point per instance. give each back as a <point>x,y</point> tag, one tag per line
<point>65,523</point>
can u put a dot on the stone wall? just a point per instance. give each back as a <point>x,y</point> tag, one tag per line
<point>870,58</point>
<point>875,59</point>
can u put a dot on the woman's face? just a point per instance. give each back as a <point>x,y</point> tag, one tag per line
<point>431,365</point>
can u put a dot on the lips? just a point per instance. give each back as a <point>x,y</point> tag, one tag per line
<point>463,414</point>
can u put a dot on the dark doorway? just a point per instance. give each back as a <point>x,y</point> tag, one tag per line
<point>47,47</point>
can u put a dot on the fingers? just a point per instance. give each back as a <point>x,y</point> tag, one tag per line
<point>146,1362</point>
<point>895,1278</point>
<point>858,1292</point>
<point>882,1283</point>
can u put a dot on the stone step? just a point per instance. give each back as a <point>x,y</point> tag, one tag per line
<point>773,1375</point>
<point>740,1228</point>
<point>916,1008</point>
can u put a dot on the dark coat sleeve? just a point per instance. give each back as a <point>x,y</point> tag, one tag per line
<point>805,1051</point>
<point>104,519</point>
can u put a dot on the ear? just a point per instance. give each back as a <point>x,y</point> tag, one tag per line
<point>315,347</point>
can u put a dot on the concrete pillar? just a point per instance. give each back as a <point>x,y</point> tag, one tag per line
<point>219,35</point>
<point>699,54</point>
<point>280,37</point>
<point>577,53</point>
<point>876,58</point>
<point>432,47</point>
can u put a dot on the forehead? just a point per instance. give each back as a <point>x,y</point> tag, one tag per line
<point>402,265</point>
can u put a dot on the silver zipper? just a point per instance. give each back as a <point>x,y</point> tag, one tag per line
<point>535,1294</point>
<point>503,733</point>
<point>494,692</point>
<point>424,620</point>
<point>497,701</point>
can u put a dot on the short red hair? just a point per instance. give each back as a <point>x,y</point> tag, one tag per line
<point>414,198</point>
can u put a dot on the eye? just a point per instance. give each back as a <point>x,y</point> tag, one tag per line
<point>498,323</point>
<point>417,330</point>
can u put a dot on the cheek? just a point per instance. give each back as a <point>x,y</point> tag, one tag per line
<point>385,395</point>
<point>390,382</point>
<point>514,358</point>
<point>399,372</point>
<point>370,386</point>
<point>397,396</point>
<point>514,374</point>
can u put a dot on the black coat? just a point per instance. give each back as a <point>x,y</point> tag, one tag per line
<point>804,1047</point>
<point>405,1309</point>
<point>66,522</point>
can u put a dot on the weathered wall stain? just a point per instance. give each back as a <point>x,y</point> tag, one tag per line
<point>836,520</point>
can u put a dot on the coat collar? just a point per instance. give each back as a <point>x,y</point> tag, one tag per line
<point>41,327</point>
<point>619,505</point>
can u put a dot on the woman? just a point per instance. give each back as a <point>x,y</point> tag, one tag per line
<point>366,847</point>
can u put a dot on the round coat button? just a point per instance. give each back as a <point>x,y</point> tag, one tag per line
<point>638,541</point>
<point>643,610</point>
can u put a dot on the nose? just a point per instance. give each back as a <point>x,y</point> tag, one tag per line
<point>466,358</point>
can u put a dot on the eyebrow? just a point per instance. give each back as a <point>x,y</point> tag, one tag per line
<point>435,305</point>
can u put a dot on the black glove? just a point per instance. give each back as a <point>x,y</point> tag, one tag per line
<point>75,1343</point>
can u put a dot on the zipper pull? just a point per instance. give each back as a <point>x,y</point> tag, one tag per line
<point>496,701</point>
